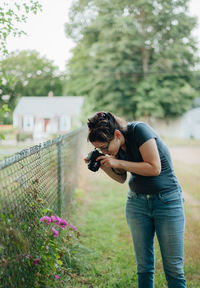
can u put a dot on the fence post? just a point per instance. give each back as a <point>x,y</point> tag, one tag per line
<point>60,178</point>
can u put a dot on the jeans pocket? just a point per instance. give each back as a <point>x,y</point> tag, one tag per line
<point>170,196</point>
<point>131,195</point>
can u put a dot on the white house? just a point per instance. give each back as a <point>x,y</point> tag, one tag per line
<point>187,126</point>
<point>42,116</point>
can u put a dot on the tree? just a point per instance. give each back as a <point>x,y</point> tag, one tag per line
<point>134,58</point>
<point>26,73</point>
<point>13,13</point>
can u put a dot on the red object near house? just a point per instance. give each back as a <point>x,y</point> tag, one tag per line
<point>46,122</point>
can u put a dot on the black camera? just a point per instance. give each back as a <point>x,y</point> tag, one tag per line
<point>94,165</point>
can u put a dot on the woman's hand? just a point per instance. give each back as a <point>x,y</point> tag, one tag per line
<point>85,158</point>
<point>108,161</point>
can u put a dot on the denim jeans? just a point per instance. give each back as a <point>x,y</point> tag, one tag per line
<point>162,214</point>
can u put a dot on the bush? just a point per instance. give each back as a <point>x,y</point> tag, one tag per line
<point>36,251</point>
<point>22,136</point>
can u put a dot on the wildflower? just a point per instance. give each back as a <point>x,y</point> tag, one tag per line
<point>57,276</point>
<point>47,247</point>
<point>63,223</point>
<point>55,232</point>
<point>46,219</point>
<point>58,219</point>
<point>78,234</point>
<point>72,226</point>
<point>53,218</point>
<point>36,261</point>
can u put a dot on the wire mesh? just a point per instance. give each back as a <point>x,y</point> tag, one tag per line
<point>32,181</point>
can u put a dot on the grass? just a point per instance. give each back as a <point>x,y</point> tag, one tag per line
<point>109,261</point>
<point>189,178</point>
<point>182,142</point>
<point>103,227</point>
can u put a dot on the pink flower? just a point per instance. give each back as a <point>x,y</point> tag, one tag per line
<point>46,219</point>
<point>36,261</point>
<point>58,219</point>
<point>55,232</point>
<point>53,218</point>
<point>57,276</point>
<point>72,226</point>
<point>63,223</point>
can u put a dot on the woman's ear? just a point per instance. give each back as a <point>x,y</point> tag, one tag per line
<point>117,134</point>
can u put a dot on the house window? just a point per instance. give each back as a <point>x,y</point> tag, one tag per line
<point>28,123</point>
<point>65,123</point>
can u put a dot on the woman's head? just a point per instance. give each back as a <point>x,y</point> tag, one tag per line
<point>106,132</point>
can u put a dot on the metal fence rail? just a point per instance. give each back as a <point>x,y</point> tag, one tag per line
<point>48,172</point>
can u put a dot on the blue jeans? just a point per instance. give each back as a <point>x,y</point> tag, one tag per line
<point>162,214</point>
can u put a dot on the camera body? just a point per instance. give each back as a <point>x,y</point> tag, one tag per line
<point>94,165</point>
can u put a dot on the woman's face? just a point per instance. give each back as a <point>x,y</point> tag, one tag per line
<point>111,147</point>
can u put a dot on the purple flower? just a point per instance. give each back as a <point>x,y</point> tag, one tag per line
<point>57,276</point>
<point>46,219</point>
<point>72,226</point>
<point>63,223</point>
<point>55,232</point>
<point>58,219</point>
<point>53,218</point>
<point>36,261</point>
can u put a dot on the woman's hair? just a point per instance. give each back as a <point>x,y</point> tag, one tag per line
<point>103,125</point>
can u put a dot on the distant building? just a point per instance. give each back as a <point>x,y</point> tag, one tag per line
<point>185,127</point>
<point>42,116</point>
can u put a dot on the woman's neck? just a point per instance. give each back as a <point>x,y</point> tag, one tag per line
<point>123,143</point>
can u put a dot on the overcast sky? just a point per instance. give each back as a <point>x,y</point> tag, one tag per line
<point>46,31</point>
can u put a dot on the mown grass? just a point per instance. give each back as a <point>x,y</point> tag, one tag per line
<point>182,142</point>
<point>189,177</point>
<point>109,261</point>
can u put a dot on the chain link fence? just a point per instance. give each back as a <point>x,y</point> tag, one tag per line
<point>32,181</point>
<point>49,171</point>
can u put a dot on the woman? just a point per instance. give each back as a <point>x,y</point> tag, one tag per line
<point>154,202</point>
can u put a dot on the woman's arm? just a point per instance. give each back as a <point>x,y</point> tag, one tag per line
<point>118,175</point>
<point>150,167</point>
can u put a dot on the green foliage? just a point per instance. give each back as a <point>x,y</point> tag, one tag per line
<point>12,13</point>
<point>4,109</point>
<point>26,73</point>
<point>29,243</point>
<point>22,136</point>
<point>133,58</point>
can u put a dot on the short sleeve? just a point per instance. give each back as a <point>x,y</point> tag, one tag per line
<point>143,132</point>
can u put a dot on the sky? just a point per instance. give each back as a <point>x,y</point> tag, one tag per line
<point>46,31</point>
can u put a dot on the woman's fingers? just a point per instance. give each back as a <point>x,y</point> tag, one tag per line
<point>100,158</point>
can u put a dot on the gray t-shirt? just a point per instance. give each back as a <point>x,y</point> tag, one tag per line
<point>137,134</point>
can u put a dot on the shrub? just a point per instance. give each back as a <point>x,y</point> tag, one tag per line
<point>36,251</point>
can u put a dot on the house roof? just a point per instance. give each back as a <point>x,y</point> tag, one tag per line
<point>49,106</point>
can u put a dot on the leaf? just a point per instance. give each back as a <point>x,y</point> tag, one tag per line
<point>59,262</point>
